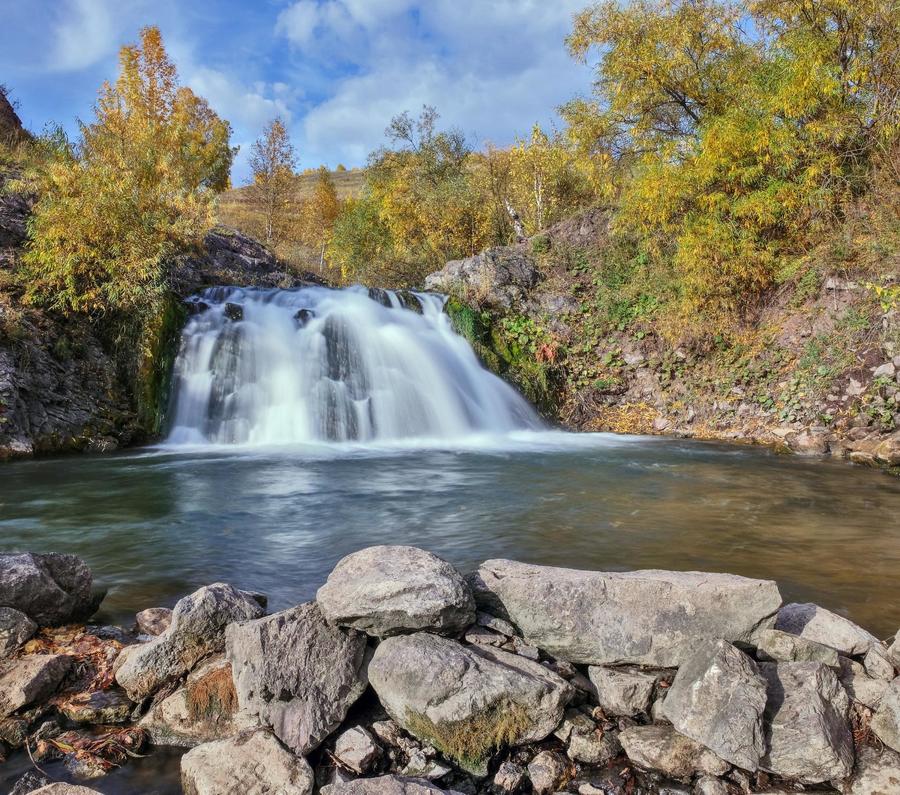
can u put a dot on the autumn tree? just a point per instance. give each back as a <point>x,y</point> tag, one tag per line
<point>138,187</point>
<point>319,214</point>
<point>272,163</point>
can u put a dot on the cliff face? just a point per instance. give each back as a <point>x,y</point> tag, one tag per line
<point>11,129</point>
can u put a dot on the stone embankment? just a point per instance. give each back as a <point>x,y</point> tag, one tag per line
<point>404,677</point>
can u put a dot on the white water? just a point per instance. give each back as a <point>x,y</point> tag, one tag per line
<point>318,365</point>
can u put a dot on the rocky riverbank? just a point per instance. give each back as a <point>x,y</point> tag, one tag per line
<point>404,676</point>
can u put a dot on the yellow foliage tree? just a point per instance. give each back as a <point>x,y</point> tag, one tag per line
<point>272,163</point>
<point>319,213</point>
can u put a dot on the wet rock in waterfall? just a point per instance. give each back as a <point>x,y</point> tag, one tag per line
<point>234,312</point>
<point>252,763</point>
<point>886,720</point>
<point>806,722</point>
<point>30,679</point>
<point>645,617</point>
<point>356,750</point>
<point>660,747</point>
<point>774,645</point>
<point>548,772</point>
<point>50,589</point>
<point>230,369</point>
<point>197,630</point>
<point>586,741</point>
<point>15,629</point>
<point>422,680</point>
<point>718,698</point>
<point>296,673</point>
<point>195,306</point>
<point>877,772</point>
<point>303,316</point>
<point>202,710</point>
<point>380,296</point>
<point>859,685</point>
<point>409,300</point>
<point>622,691</point>
<point>388,590</point>
<point>389,785</point>
<point>817,624</point>
<point>154,620</point>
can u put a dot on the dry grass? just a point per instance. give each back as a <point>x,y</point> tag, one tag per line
<point>212,695</point>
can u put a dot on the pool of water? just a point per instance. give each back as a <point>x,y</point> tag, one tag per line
<point>155,524</point>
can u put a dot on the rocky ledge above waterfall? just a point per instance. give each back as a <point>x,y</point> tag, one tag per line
<point>404,676</point>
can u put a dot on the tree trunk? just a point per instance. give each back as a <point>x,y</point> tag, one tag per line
<point>516,221</point>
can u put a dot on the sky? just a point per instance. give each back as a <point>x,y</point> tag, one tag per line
<point>335,70</point>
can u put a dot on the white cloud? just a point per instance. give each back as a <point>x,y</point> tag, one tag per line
<point>85,35</point>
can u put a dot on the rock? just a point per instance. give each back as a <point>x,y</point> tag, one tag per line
<point>389,785</point>
<point>497,276</point>
<point>252,763</point>
<point>817,624</point>
<point>15,629</point>
<point>303,316</point>
<point>496,624</point>
<point>234,312</point>
<point>887,451</point>
<point>484,636</point>
<point>585,741</point>
<point>717,698</point>
<point>710,785</point>
<point>200,711</point>
<point>876,773</point>
<point>886,720</point>
<point>647,617</point>
<point>859,685</point>
<point>154,620</point>
<point>421,766</point>
<point>29,782</point>
<point>466,701</point>
<point>509,778</point>
<point>621,691</point>
<point>197,630</point>
<point>878,663</point>
<point>356,750</point>
<point>807,731</point>
<point>548,772</point>
<point>50,589</point>
<point>773,645</point>
<point>296,673</point>
<point>387,590</point>
<point>99,707</point>
<point>660,747</point>
<point>64,789</point>
<point>894,651</point>
<point>30,679</point>
<point>886,370</point>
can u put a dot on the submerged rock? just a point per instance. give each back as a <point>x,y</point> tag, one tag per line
<point>197,630</point>
<point>647,617</point>
<point>817,624</point>
<point>15,629</point>
<point>660,747</point>
<point>296,673</point>
<point>30,679</point>
<point>50,589</point>
<point>253,763</point>
<point>387,590</point>
<point>467,701</point>
<point>717,698</point>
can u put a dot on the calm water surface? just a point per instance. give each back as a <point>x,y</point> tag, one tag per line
<point>156,524</point>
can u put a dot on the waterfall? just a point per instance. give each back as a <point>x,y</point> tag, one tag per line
<point>264,366</point>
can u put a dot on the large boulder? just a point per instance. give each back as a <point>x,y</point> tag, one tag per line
<point>497,276</point>
<point>50,589</point>
<point>295,672</point>
<point>660,747</point>
<point>886,720</point>
<point>877,772</point>
<point>387,590</point>
<point>647,617</point>
<point>807,731</point>
<point>15,629</point>
<point>718,698</point>
<point>466,701</point>
<point>817,624</point>
<point>30,679</point>
<point>253,763</point>
<point>197,631</point>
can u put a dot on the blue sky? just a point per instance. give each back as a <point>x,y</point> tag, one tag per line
<point>335,70</point>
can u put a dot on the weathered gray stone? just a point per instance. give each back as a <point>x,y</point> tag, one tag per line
<point>389,785</point>
<point>710,785</point>
<point>388,590</point>
<point>894,651</point>
<point>50,589</point>
<point>496,276</point>
<point>197,630</point>
<point>496,624</point>
<point>718,698</point>
<point>15,629</point>
<point>30,679</point>
<point>154,620</point>
<point>548,772</point>
<point>822,626</point>
<point>859,685</point>
<point>355,749</point>
<point>99,707</point>
<point>660,747</point>
<point>622,691</point>
<point>648,617</point>
<point>466,700</point>
<point>585,740</point>
<point>509,778</point>
<point>252,763</point>
<point>484,636</point>
<point>421,765</point>
<point>878,663</point>
<point>64,789</point>
<point>296,673</point>
<point>29,782</point>
<point>886,720</point>
<point>773,645</point>
<point>807,731</point>
<point>877,772</point>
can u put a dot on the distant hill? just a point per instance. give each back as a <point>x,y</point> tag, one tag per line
<point>347,183</point>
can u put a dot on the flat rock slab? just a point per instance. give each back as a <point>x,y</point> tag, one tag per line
<point>886,720</point>
<point>817,624</point>
<point>774,645</point>
<point>876,773</point>
<point>15,629</point>
<point>51,589</point>
<point>660,747</point>
<point>622,691</point>
<point>389,590</point>
<point>253,763</point>
<point>718,698</point>
<point>605,618</point>
<point>197,630</point>
<point>297,673</point>
<point>388,785</point>
<point>807,730</point>
<point>467,701</point>
<point>100,707</point>
<point>30,679</point>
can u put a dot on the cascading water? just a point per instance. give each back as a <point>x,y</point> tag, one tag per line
<point>314,364</point>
